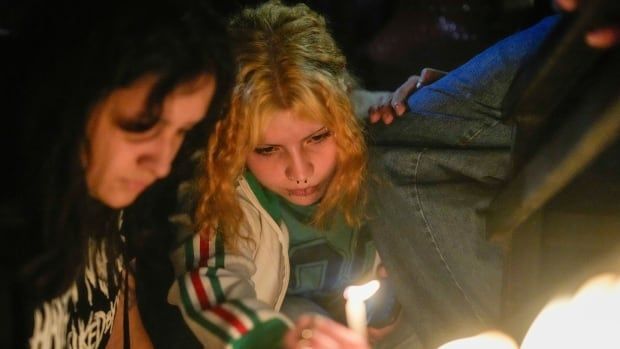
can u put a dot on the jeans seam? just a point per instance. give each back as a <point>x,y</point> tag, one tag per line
<point>434,241</point>
<point>475,132</point>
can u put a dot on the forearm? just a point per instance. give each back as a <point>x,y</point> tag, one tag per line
<point>464,108</point>
<point>217,298</point>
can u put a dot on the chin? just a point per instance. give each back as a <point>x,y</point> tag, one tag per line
<point>117,201</point>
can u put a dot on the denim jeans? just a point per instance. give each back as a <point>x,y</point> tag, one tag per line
<point>445,160</point>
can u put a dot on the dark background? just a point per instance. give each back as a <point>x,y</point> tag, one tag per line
<point>388,40</point>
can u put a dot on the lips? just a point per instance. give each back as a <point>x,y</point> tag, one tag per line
<point>303,192</point>
<point>137,185</point>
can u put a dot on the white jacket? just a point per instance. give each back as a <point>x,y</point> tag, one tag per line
<point>227,296</point>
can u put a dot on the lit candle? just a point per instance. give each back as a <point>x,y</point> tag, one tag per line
<point>589,319</point>
<point>486,340</point>
<point>355,307</point>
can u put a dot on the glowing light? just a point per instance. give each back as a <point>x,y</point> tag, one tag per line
<point>361,292</point>
<point>355,307</point>
<point>486,340</point>
<point>589,319</point>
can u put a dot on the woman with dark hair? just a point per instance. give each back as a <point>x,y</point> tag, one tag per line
<point>105,94</point>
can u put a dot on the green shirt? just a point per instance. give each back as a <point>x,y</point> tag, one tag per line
<point>323,261</point>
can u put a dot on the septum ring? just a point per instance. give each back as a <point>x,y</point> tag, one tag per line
<point>299,181</point>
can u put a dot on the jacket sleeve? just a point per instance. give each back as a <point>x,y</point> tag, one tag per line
<point>217,298</point>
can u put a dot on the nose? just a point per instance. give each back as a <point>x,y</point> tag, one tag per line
<point>160,155</point>
<point>299,168</point>
<point>163,165</point>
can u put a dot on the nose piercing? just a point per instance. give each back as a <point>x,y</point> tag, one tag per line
<point>299,181</point>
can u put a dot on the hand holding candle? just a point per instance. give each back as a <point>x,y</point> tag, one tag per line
<point>315,331</point>
<point>355,307</point>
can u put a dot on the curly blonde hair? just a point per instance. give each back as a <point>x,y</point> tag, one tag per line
<point>286,60</point>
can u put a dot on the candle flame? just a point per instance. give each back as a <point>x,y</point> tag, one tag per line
<point>589,319</point>
<point>486,340</point>
<point>361,292</point>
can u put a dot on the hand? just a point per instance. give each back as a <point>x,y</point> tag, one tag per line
<point>376,334</point>
<point>314,331</point>
<point>603,37</point>
<point>395,105</point>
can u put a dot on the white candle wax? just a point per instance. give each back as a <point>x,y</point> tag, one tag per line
<point>355,307</point>
<point>356,316</point>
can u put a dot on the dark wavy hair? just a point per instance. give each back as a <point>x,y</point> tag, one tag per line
<point>69,56</point>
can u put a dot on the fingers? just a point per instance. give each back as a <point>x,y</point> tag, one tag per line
<point>382,111</point>
<point>567,5</point>
<point>603,37</point>
<point>377,334</point>
<point>318,339</point>
<point>393,105</point>
<point>305,335</point>
<point>381,271</point>
<point>309,339</point>
<point>430,75</point>
<point>313,331</point>
<point>340,333</point>
<point>399,97</point>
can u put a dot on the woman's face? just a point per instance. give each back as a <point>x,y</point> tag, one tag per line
<point>121,164</point>
<point>296,158</point>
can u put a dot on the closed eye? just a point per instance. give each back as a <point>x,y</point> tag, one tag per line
<point>266,150</point>
<point>138,124</point>
<point>320,136</point>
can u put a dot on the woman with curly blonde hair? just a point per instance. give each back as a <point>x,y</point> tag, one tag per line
<point>283,195</point>
<point>288,63</point>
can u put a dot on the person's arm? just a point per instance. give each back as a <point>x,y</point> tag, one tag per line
<point>217,298</point>
<point>600,37</point>
<point>213,286</point>
<point>464,108</point>
<point>393,105</point>
<point>431,243</point>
